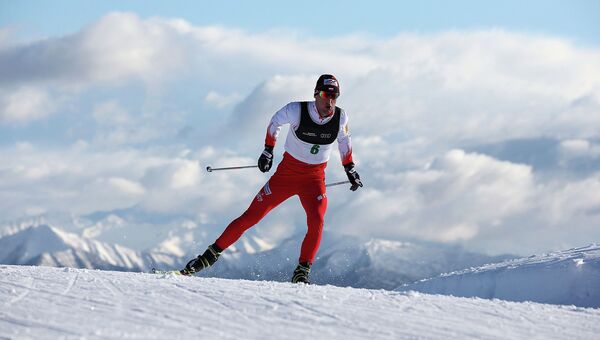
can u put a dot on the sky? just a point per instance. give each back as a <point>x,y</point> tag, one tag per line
<point>576,20</point>
<point>472,123</point>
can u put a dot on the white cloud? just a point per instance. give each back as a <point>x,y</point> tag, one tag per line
<point>117,46</point>
<point>126,186</point>
<point>220,100</point>
<point>567,202</point>
<point>579,148</point>
<point>453,86</point>
<point>452,200</point>
<point>187,174</point>
<point>111,113</point>
<point>25,104</point>
<point>115,125</point>
<point>411,98</point>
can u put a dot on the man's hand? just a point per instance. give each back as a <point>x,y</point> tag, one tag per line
<point>265,161</point>
<point>353,176</point>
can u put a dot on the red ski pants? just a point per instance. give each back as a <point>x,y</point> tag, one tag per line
<point>292,177</point>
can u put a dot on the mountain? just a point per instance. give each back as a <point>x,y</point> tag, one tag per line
<point>49,246</point>
<point>570,277</point>
<point>52,303</point>
<point>178,236</point>
<point>67,222</point>
<point>350,261</point>
<point>342,260</point>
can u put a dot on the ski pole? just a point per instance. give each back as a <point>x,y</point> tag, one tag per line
<point>211,169</point>
<point>336,183</point>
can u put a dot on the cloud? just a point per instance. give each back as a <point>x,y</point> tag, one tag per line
<point>126,186</point>
<point>476,137</point>
<point>452,86</point>
<point>25,104</point>
<point>117,46</point>
<point>451,200</point>
<point>83,179</point>
<point>220,100</point>
<point>176,174</point>
<point>579,148</point>
<point>567,202</point>
<point>111,113</point>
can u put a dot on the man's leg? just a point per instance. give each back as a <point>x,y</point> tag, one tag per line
<point>314,201</point>
<point>271,195</point>
<point>267,198</point>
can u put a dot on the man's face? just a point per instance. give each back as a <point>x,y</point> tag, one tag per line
<point>325,102</point>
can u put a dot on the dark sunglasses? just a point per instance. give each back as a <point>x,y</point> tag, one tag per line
<point>328,95</point>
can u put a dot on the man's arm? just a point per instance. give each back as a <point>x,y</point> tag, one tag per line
<point>286,115</point>
<point>345,141</point>
<point>283,116</point>
<point>345,147</point>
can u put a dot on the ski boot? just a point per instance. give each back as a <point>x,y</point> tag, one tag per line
<point>210,256</point>
<point>301,273</point>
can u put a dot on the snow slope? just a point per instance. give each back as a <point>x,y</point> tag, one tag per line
<point>565,277</point>
<point>54,303</point>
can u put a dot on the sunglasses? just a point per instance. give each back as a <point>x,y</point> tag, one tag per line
<point>328,95</point>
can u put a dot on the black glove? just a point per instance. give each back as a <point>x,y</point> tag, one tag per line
<point>353,176</point>
<point>265,161</point>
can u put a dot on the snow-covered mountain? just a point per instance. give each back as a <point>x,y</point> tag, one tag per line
<point>179,236</point>
<point>49,246</point>
<point>342,260</point>
<point>350,261</point>
<point>52,303</point>
<point>565,277</point>
<point>67,222</point>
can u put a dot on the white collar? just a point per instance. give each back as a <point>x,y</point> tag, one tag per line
<point>314,114</point>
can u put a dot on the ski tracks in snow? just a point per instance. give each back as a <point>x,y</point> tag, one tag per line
<point>71,283</point>
<point>50,303</point>
<point>26,290</point>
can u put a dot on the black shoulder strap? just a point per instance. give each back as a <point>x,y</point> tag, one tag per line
<point>304,110</point>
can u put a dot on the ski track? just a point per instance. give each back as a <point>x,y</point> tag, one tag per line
<point>51,303</point>
<point>21,296</point>
<point>71,284</point>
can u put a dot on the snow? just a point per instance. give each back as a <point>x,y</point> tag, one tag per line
<point>50,246</point>
<point>54,303</point>
<point>342,260</point>
<point>564,277</point>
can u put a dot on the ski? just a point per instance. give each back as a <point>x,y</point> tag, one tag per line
<point>167,272</point>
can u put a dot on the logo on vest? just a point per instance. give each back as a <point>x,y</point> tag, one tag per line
<point>310,134</point>
<point>326,135</point>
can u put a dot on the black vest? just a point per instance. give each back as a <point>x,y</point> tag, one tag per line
<point>310,132</point>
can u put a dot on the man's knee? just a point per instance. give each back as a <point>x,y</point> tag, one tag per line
<point>315,226</point>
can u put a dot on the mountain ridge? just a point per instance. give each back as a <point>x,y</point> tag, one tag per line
<point>342,260</point>
<point>570,276</point>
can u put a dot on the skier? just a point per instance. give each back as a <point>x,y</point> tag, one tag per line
<point>314,126</point>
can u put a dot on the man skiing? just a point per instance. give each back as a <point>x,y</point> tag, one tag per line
<point>314,126</point>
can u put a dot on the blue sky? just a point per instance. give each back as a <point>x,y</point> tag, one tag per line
<point>578,20</point>
<point>472,123</point>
